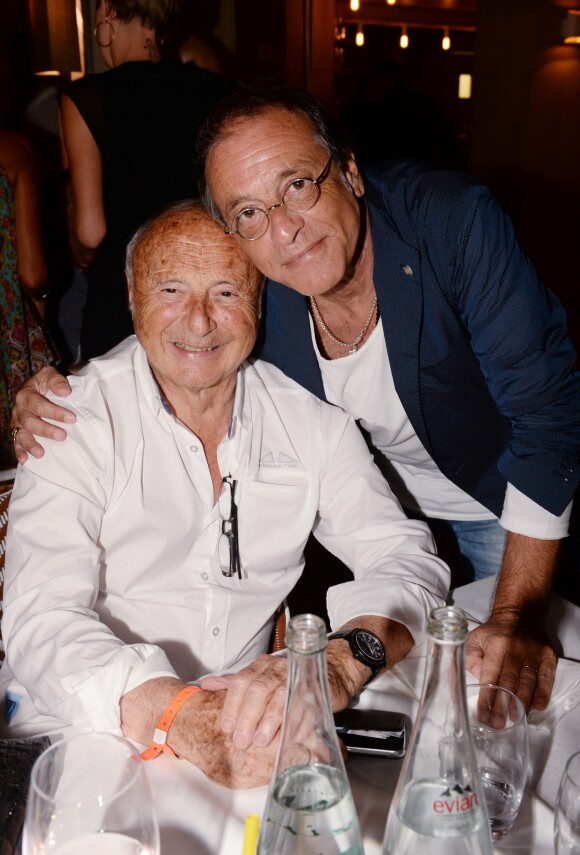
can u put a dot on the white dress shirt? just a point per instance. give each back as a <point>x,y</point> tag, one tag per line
<point>115,553</point>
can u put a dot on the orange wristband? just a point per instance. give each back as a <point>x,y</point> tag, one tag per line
<point>159,744</point>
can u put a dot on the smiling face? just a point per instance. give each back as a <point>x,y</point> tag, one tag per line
<point>252,163</point>
<point>195,302</point>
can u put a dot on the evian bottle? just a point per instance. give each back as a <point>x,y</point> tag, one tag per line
<point>310,810</point>
<point>438,805</point>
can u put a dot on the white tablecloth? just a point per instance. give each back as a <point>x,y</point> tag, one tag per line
<point>199,817</point>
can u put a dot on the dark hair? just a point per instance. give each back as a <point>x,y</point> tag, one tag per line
<point>161,15</point>
<point>247,102</point>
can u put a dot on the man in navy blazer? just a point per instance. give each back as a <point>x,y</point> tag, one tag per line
<point>405,298</point>
<point>479,355</point>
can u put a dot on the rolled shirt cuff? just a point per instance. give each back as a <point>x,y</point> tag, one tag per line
<point>523,516</point>
<point>96,692</point>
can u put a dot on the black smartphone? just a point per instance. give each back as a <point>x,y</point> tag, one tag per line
<point>373,731</point>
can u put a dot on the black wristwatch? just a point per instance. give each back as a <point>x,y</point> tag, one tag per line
<point>366,647</point>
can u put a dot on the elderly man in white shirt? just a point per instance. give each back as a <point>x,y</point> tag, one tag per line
<point>156,545</point>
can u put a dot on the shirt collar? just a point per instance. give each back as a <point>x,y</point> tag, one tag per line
<point>237,418</point>
<point>158,401</point>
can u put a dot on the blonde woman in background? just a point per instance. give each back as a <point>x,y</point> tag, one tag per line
<point>129,133</point>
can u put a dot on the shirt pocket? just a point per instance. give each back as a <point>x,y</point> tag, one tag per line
<point>274,521</point>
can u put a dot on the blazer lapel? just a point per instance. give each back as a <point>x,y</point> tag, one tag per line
<point>285,338</point>
<point>397,278</point>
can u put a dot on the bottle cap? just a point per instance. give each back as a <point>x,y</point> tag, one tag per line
<point>448,623</point>
<point>306,634</point>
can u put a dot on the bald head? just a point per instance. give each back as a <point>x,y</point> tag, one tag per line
<point>190,220</point>
<point>195,300</point>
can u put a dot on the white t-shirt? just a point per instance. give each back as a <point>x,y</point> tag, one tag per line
<point>362,384</point>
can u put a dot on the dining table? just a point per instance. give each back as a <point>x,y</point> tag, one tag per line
<point>198,817</point>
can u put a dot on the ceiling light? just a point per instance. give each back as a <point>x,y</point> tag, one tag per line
<point>571,28</point>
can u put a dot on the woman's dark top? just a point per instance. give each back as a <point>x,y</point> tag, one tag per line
<point>144,117</point>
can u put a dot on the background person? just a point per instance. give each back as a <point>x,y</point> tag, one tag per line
<point>120,585</point>
<point>24,346</point>
<point>129,134</point>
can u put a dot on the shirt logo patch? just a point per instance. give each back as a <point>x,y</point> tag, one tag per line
<point>268,461</point>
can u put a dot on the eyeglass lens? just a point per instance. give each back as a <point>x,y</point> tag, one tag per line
<point>298,196</point>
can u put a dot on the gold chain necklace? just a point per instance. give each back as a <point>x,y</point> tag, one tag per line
<point>352,346</point>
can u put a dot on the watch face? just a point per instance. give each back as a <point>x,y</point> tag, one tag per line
<point>370,646</point>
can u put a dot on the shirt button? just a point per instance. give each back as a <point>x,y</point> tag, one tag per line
<point>216,631</point>
<point>194,448</point>
<point>205,576</point>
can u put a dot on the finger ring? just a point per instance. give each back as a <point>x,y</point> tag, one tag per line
<point>532,667</point>
<point>15,432</point>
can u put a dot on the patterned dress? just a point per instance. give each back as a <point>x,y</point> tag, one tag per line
<point>24,346</point>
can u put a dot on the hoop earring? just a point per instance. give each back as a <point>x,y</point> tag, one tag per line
<point>96,32</point>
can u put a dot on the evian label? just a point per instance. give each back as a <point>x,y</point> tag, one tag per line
<point>457,800</point>
<point>440,808</point>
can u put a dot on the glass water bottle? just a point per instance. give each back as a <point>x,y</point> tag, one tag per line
<point>310,809</point>
<point>438,807</point>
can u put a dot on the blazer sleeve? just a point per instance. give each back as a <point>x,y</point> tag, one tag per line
<point>518,333</point>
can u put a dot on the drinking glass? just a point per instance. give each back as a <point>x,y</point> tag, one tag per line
<point>89,796</point>
<point>500,736</point>
<point>567,812</point>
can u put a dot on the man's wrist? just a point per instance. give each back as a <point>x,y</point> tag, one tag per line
<point>525,579</point>
<point>344,668</point>
<point>513,616</point>
<point>159,744</point>
<point>365,647</point>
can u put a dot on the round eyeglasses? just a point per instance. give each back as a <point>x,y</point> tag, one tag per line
<point>299,195</point>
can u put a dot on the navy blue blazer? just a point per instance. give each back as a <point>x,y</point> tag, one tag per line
<point>478,346</point>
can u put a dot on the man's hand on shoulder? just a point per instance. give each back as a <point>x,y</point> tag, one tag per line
<point>31,408</point>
